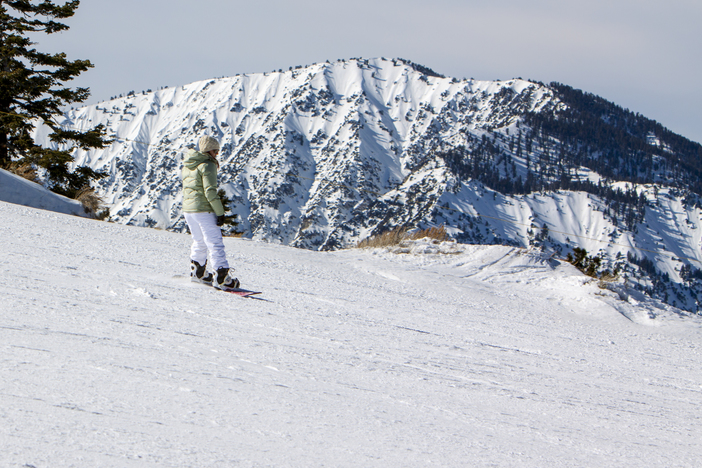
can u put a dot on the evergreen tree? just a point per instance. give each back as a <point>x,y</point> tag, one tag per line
<point>230,220</point>
<point>587,264</point>
<point>32,93</point>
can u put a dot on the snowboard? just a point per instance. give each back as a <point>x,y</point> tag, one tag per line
<point>237,291</point>
<point>241,292</point>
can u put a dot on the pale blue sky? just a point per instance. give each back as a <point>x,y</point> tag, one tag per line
<point>641,54</point>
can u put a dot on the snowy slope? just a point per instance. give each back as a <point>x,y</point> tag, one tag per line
<point>15,189</point>
<point>445,355</point>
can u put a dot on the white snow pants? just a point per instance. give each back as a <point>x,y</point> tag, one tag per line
<point>207,236</point>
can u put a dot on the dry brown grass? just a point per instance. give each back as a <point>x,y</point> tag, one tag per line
<point>607,278</point>
<point>436,233</point>
<point>386,239</point>
<point>397,236</point>
<point>92,203</point>
<point>25,171</point>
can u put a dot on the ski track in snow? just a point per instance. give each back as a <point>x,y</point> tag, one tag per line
<point>481,356</point>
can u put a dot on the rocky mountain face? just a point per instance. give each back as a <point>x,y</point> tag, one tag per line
<point>322,156</point>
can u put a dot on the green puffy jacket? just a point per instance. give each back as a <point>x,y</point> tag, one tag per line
<point>200,184</point>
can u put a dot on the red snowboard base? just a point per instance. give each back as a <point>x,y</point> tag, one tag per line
<point>241,292</point>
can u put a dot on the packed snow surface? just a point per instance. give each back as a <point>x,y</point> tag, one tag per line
<point>428,355</point>
<point>15,189</point>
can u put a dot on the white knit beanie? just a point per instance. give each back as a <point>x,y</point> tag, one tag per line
<point>207,144</point>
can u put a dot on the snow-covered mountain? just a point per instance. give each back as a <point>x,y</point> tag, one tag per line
<point>325,155</point>
<point>449,355</point>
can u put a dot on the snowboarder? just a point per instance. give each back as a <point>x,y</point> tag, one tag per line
<point>204,214</point>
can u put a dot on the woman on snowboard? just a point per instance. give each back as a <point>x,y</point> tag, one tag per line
<point>204,214</point>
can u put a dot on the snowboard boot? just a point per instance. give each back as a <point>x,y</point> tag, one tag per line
<point>199,273</point>
<point>224,279</point>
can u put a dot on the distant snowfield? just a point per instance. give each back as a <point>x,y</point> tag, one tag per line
<point>445,355</point>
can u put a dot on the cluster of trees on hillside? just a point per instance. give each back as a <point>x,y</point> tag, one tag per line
<point>588,132</point>
<point>480,163</point>
<point>618,143</point>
